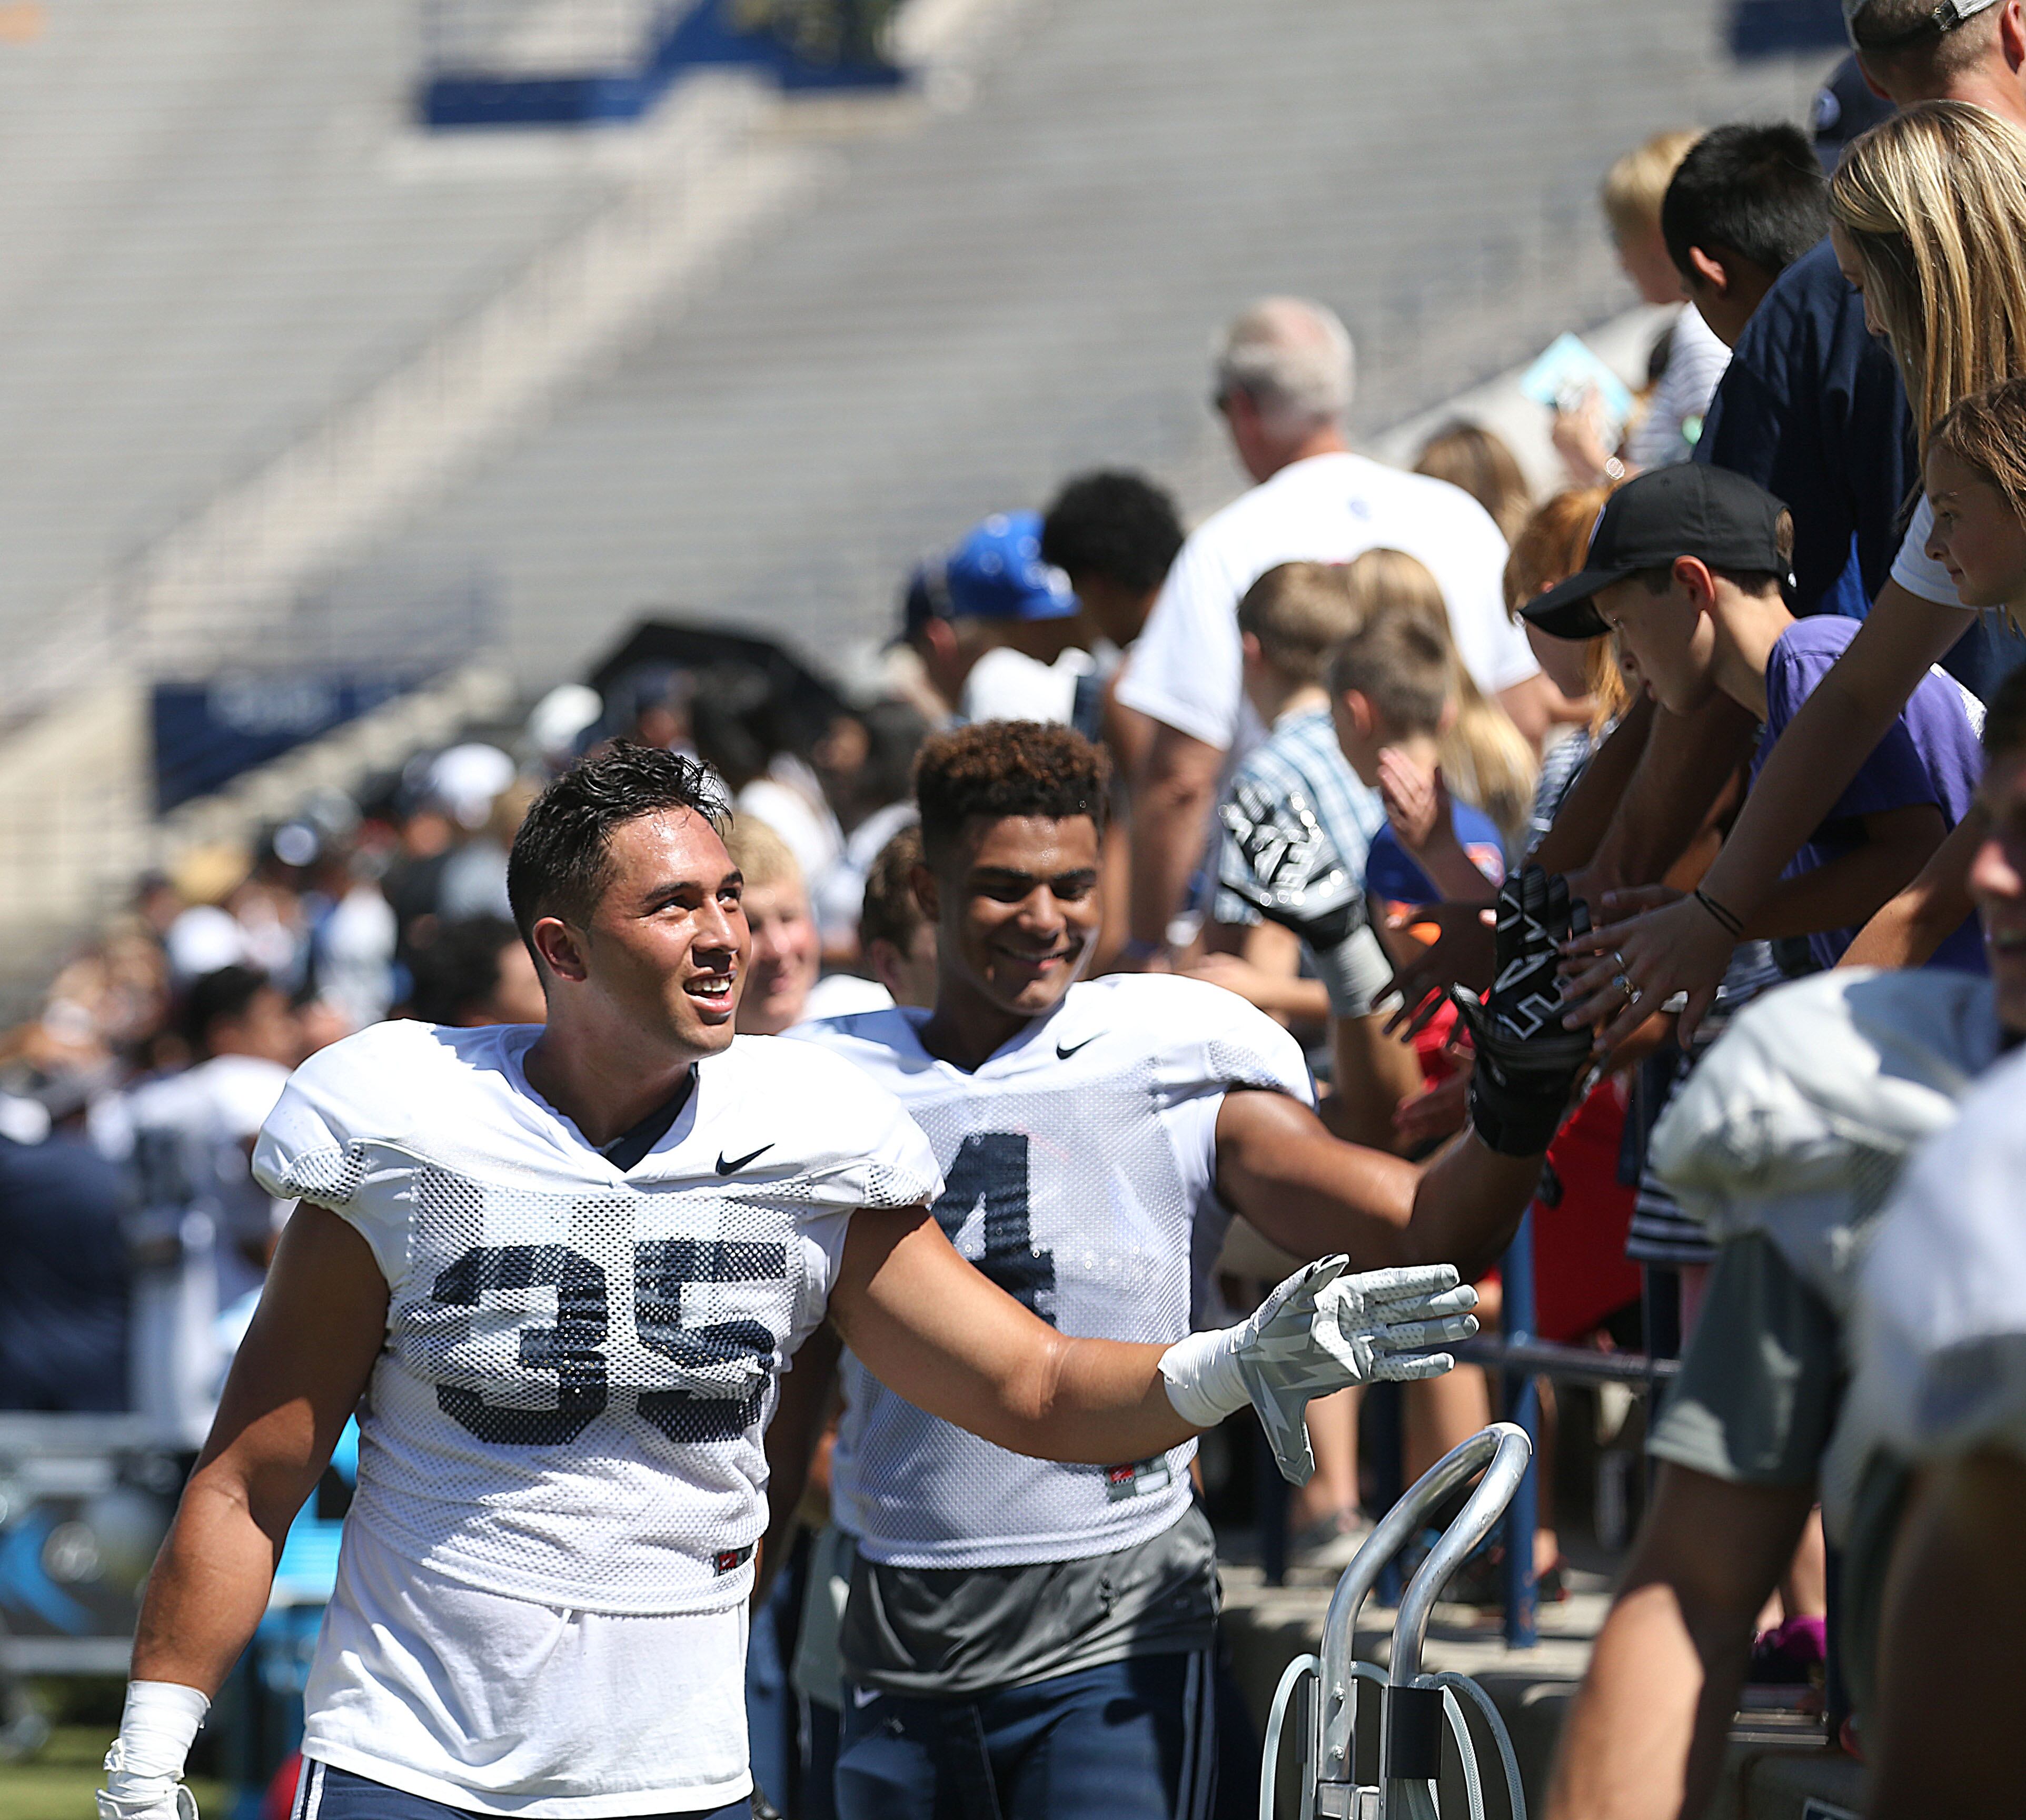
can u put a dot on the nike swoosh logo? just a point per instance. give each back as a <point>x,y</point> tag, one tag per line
<point>1062,1053</point>
<point>862,1696</point>
<point>732,1166</point>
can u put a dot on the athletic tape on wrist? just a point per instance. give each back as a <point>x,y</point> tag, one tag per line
<point>1356,974</point>
<point>1201,1376</point>
<point>156,1728</point>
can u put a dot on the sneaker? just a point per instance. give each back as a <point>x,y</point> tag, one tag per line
<point>1330,1541</point>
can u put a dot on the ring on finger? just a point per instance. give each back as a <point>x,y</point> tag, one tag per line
<point>1617,955</point>
<point>1625,986</point>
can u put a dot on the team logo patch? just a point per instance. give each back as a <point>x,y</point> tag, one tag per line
<point>1137,1479</point>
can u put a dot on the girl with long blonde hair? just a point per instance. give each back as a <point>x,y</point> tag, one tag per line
<point>1928,213</point>
<point>1485,759</point>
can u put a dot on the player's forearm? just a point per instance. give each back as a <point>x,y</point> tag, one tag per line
<point>1687,762</point>
<point>209,1588</point>
<point>1467,1206</point>
<point>1093,1402</point>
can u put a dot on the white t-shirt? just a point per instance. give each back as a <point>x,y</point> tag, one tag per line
<point>566,1416</point>
<point>1081,1161</point>
<point>1009,685</point>
<point>1673,424</point>
<point>1184,669</point>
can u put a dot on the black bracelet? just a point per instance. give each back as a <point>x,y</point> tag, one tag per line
<point>1732,924</point>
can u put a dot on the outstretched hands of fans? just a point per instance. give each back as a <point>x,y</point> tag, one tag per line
<point>1320,1331</point>
<point>1659,942</point>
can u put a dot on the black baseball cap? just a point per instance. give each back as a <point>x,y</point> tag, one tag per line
<point>1687,509</point>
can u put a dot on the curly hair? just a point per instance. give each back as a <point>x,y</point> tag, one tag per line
<point>561,863</point>
<point>1006,767</point>
<point>1116,525</point>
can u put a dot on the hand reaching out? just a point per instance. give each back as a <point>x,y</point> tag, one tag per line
<point>1659,942</point>
<point>1417,800</point>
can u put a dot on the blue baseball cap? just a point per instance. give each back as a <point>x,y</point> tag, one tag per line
<point>997,573</point>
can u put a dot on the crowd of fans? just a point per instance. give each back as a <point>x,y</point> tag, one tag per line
<point>1697,680</point>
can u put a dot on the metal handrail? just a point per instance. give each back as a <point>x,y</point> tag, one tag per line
<point>1501,1442</point>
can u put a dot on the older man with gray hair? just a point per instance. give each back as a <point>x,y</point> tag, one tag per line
<point>1283,384</point>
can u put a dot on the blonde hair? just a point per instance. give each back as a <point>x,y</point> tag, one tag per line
<point>1470,456</point>
<point>1551,547</point>
<point>761,855</point>
<point>1299,612</point>
<point>1933,199</point>
<point>1633,188</point>
<point>1987,432</point>
<point>1485,758</point>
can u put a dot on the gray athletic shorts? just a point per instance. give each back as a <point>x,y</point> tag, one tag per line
<point>1759,1389</point>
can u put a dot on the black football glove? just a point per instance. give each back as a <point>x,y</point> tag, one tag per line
<point>1527,1064</point>
<point>1280,859</point>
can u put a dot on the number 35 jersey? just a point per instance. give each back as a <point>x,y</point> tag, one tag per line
<point>580,1362</point>
<point>1079,1163</point>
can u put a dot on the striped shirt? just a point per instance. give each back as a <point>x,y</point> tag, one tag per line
<point>1302,754</point>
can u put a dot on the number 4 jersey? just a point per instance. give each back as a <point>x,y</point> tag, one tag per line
<point>579,1360</point>
<point>1080,1162</point>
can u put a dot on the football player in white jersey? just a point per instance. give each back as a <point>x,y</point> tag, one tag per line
<point>562,1266</point>
<point>1026,1638</point>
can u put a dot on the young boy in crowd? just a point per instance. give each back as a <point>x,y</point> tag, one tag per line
<point>1289,621</point>
<point>1390,698</point>
<point>1745,203</point>
<point>898,941</point>
<point>1686,565</point>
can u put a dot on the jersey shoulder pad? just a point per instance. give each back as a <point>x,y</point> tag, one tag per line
<point>1820,1080</point>
<point>366,1088</point>
<point>852,1141</point>
<point>1201,1036</point>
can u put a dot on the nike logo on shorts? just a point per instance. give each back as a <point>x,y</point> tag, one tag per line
<point>862,1696</point>
<point>731,1165</point>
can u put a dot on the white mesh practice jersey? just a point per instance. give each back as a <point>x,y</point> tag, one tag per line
<point>579,1362</point>
<point>1080,1162</point>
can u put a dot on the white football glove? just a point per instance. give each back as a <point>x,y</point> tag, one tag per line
<point>1319,1332</point>
<point>144,1768</point>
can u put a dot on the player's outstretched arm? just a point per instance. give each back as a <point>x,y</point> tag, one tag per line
<point>931,1328</point>
<point>1310,1193</point>
<point>298,1373</point>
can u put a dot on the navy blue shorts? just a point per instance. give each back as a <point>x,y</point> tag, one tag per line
<point>326,1793</point>
<point>1127,1741</point>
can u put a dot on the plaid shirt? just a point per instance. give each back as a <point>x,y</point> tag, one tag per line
<point>1301,754</point>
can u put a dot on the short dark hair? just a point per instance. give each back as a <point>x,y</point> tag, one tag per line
<point>1006,767</point>
<point>2004,719</point>
<point>561,860</point>
<point>1116,525</point>
<point>1757,191</point>
<point>891,911</point>
<point>459,972</point>
<point>212,997</point>
<point>1892,31</point>
<point>1401,665</point>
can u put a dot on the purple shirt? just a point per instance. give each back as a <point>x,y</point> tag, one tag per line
<point>1931,754</point>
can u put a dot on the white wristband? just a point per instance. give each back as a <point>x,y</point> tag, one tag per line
<point>1355,973</point>
<point>156,1728</point>
<point>1201,1376</point>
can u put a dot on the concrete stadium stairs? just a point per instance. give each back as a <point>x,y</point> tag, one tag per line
<point>275,355</point>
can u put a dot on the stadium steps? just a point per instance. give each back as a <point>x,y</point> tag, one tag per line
<point>237,289</point>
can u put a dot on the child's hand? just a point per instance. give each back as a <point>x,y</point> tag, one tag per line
<point>1418,801</point>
